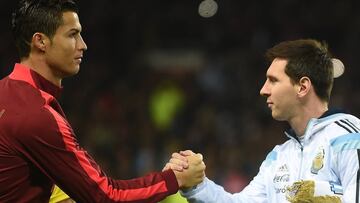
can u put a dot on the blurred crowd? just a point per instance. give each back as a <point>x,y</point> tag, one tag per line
<point>159,78</point>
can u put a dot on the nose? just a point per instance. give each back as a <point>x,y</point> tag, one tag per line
<point>264,91</point>
<point>82,44</point>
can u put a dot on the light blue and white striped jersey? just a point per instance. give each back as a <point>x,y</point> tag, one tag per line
<point>329,151</point>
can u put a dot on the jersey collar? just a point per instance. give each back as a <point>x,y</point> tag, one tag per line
<point>329,113</point>
<point>24,73</point>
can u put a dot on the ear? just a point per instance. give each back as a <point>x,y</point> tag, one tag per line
<point>304,86</point>
<point>40,40</point>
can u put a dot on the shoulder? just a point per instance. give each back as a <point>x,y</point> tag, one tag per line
<point>343,133</point>
<point>26,111</point>
<point>19,96</point>
<point>290,143</point>
<point>340,125</point>
<point>276,152</point>
<point>349,123</point>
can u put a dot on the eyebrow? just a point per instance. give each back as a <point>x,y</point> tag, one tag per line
<point>76,30</point>
<point>271,77</point>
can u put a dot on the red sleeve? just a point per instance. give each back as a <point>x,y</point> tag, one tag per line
<point>53,148</point>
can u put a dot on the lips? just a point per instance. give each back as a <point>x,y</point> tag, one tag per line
<point>269,104</point>
<point>78,59</point>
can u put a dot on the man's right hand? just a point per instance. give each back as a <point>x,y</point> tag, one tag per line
<point>188,167</point>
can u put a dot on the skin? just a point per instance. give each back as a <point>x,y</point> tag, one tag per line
<point>294,102</point>
<point>193,174</point>
<point>280,92</point>
<point>60,56</point>
<point>189,168</point>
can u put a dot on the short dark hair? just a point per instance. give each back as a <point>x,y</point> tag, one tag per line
<point>32,16</point>
<point>306,57</point>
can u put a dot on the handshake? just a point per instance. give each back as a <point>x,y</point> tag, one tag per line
<point>189,168</point>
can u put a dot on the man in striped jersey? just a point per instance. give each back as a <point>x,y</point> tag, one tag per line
<point>320,161</point>
<point>38,147</point>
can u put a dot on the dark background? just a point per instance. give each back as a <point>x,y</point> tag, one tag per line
<point>159,78</point>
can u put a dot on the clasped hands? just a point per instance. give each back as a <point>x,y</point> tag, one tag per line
<point>189,168</point>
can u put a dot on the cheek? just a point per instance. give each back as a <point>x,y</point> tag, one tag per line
<point>62,51</point>
<point>282,94</point>
<point>287,97</point>
<point>67,47</point>
<point>67,54</point>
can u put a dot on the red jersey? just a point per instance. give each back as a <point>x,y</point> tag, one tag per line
<point>38,149</point>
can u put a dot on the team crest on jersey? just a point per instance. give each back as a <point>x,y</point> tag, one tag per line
<point>318,161</point>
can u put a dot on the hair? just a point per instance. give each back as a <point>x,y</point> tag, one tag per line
<point>31,16</point>
<point>306,58</point>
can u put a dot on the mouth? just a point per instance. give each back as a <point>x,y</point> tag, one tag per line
<point>78,59</point>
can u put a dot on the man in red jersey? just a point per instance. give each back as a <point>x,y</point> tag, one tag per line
<point>38,147</point>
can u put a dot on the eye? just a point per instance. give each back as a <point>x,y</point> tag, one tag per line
<point>272,79</point>
<point>74,33</point>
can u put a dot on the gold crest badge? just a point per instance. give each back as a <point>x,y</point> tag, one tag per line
<point>318,162</point>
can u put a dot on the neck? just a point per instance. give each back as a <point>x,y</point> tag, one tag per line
<point>38,65</point>
<point>303,116</point>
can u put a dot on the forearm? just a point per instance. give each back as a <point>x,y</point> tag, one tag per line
<point>58,155</point>
<point>150,188</point>
<point>209,192</point>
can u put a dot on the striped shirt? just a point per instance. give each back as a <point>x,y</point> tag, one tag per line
<point>328,153</point>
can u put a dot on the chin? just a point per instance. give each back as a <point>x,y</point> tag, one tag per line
<point>277,117</point>
<point>274,117</point>
<point>71,72</point>
<point>75,69</point>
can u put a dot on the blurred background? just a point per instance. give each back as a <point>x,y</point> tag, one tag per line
<point>159,78</point>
